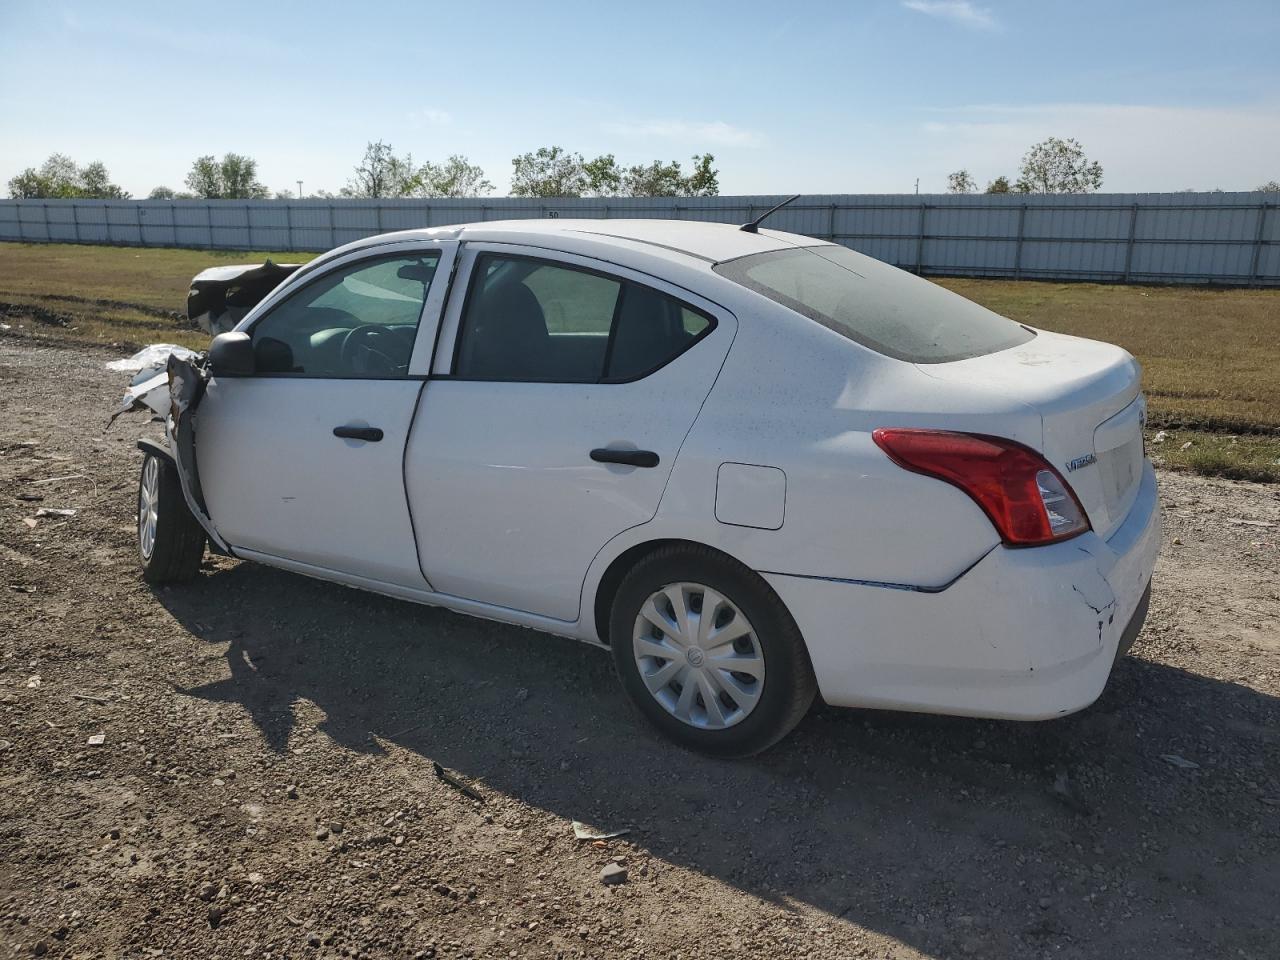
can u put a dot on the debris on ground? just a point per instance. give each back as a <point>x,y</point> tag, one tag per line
<point>1181,762</point>
<point>584,832</point>
<point>97,740</point>
<point>445,777</point>
<point>54,512</point>
<point>613,874</point>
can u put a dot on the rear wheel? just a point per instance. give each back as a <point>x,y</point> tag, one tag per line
<point>708,652</point>
<point>170,540</point>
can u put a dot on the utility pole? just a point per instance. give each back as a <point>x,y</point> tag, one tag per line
<point>300,189</point>
<point>917,186</point>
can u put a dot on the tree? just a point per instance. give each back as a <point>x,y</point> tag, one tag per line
<point>961,182</point>
<point>456,177</point>
<point>205,180</point>
<point>1271,186</point>
<point>549,172</point>
<point>656,179</point>
<point>999,185</point>
<point>162,193</point>
<point>382,174</point>
<point>704,181</point>
<point>604,176</point>
<point>239,178</point>
<point>232,178</point>
<point>555,172</point>
<point>1058,166</point>
<point>59,178</point>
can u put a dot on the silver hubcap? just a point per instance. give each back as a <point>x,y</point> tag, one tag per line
<point>699,656</point>
<point>148,507</point>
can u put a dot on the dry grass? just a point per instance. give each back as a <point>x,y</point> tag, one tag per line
<point>1210,358</point>
<point>125,296</point>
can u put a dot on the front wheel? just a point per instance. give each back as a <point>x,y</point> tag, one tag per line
<point>170,540</point>
<point>708,652</point>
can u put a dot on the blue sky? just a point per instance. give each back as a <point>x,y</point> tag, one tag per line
<point>815,97</point>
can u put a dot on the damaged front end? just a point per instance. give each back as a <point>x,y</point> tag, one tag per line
<point>172,394</point>
<point>221,297</point>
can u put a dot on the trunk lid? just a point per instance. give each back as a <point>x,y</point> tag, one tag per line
<point>1092,413</point>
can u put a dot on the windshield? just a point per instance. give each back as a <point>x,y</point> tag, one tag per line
<point>876,305</point>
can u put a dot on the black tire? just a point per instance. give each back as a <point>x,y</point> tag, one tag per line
<point>789,686</point>
<point>174,555</point>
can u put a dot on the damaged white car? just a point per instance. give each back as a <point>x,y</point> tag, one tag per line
<point>756,466</point>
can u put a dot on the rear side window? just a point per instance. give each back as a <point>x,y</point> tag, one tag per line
<point>876,305</point>
<point>532,320</point>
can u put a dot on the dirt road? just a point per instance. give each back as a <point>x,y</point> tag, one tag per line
<point>265,784</point>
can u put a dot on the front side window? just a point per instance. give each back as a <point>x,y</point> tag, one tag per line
<point>531,320</point>
<point>876,305</point>
<point>358,321</point>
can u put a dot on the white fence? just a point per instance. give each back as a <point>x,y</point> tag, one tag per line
<point>1202,238</point>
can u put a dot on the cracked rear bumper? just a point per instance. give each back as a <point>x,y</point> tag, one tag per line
<point>1026,634</point>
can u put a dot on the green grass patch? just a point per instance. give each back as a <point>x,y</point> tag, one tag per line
<point>1210,358</point>
<point>1238,457</point>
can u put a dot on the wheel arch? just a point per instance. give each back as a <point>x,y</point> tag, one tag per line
<point>606,588</point>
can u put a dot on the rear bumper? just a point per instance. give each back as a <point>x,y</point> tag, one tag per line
<point>1026,634</point>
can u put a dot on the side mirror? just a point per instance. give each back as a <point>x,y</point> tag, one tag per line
<point>231,355</point>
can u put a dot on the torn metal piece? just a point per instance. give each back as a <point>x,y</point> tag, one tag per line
<point>150,358</point>
<point>187,381</point>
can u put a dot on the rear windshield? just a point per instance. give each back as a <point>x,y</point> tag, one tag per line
<point>876,305</point>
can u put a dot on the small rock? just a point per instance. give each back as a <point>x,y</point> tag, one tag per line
<point>1045,903</point>
<point>291,792</point>
<point>613,874</point>
<point>396,889</point>
<point>522,694</point>
<point>322,833</point>
<point>216,914</point>
<point>443,889</point>
<point>207,891</point>
<point>97,740</point>
<point>314,939</point>
<point>34,682</point>
<point>255,877</point>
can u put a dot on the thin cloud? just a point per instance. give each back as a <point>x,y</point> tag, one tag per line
<point>957,11</point>
<point>715,132</point>
<point>432,116</point>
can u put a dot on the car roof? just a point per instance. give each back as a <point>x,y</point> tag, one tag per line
<point>671,239</point>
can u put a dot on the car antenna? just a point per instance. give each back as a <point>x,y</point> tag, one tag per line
<point>754,225</point>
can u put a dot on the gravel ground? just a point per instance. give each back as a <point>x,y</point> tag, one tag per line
<point>244,767</point>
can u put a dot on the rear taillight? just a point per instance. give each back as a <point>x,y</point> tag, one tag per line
<point>1028,501</point>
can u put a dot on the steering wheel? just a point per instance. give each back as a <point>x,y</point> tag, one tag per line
<point>364,350</point>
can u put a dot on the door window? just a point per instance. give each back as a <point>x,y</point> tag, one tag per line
<point>358,321</point>
<point>532,320</point>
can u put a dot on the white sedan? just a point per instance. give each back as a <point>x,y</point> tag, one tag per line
<point>755,466</point>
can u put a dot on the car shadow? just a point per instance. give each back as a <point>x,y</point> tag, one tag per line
<point>947,834</point>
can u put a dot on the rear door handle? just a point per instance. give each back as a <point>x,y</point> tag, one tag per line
<point>372,434</point>
<point>632,458</point>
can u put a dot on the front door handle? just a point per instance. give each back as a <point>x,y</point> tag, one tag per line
<point>632,458</point>
<point>372,434</point>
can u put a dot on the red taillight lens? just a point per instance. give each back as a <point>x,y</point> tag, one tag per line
<point>1028,501</point>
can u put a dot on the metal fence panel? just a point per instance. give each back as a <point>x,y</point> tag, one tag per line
<point>1218,238</point>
